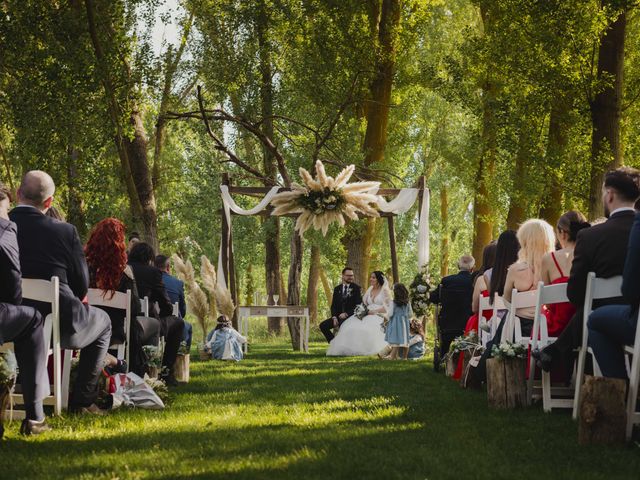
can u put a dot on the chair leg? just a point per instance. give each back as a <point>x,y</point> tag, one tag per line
<point>66,378</point>
<point>546,391</point>
<point>632,397</point>
<point>579,378</point>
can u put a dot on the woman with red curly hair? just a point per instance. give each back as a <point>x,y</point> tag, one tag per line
<point>106,254</point>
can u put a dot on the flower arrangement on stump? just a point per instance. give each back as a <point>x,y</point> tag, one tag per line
<point>325,200</point>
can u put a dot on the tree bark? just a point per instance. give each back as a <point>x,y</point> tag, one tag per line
<point>483,214</point>
<point>606,108</point>
<point>444,233</point>
<point>602,411</point>
<point>519,191</point>
<point>272,224</point>
<point>312,284</point>
<point>557,141</point>
<point>326,286</point>
<point>293,297</point>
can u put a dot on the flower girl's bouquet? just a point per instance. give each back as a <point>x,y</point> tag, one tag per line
<point>361,311</point>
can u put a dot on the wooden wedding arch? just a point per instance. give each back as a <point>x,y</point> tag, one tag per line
<point>226,265</point>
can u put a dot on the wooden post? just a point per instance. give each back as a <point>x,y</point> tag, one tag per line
<point>228,263</point>
<point>602,411</point>
<point>392,246</point>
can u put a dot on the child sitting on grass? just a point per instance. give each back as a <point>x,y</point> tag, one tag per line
<point>416,340</point>
<point>225,342</point>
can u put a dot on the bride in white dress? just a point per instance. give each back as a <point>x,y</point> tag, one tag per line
<point>365,337</point>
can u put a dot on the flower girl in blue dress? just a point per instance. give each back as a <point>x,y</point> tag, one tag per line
<point>224,342</point>
<point>397,333</point>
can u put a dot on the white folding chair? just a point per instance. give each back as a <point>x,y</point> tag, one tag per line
<point>48,291</point>
<point>512,330</point>
<point>597,289</point>
<point>546,295</point>
<point>144,306</point>
<point>176,309</point>
<point>633,416</point>
<point>120,301</point>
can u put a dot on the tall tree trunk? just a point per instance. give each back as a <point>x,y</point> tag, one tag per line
<point>293,297</point>
<point>75,205</point>
<point>606,149</point>
<point>272,224</point>
<point>444,234</point>
<point>131,151</point>
<point>384,20</point>
<point>141,174</point>
<point>519,190</point>
<point>326,285</point>
<point>557,141</point>
<point>312,284</point>
<point>483,221</point>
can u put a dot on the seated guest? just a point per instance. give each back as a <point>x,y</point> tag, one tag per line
<point>175,291</point>
<point>556,266</point>
<point>108,271</point>
<point>613,326</point>
<point>506,255</point>
<point>416,340</point>
<point>225,342</point>
<point>454,295</point>
<point>50,248</point>
<point>134,238</point>
<point>601,249</point>
<point>22,326</point>
<point>56,214</point>
<point>482,277</point>
<point>149,283</point>
<point>536,239</point>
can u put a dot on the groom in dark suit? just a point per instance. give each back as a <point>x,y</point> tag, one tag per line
<point>346,297</point>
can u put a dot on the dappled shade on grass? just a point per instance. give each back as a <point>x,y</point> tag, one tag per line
<point>280,414</point>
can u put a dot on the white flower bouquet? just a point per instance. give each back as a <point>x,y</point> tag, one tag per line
<point>8,369</point>
<point>509,350</point>
<point>361,311</point>
<point>419,290</point>
<point>462,343</point>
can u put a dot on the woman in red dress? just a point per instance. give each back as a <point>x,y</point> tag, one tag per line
<point>557,265</point>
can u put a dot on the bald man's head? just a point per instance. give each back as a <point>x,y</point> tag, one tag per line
<point>37,189</point>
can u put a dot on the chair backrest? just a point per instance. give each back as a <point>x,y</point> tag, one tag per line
<point>119,300</point>
<point>512,329</point>
<point>144,306</point>
<point>46,291</point>
<point>546,295</point>
<point>605,287</point>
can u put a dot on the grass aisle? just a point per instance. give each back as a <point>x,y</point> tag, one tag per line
<point>279,414</point>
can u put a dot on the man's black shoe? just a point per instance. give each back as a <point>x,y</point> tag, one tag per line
<point>32,427</point>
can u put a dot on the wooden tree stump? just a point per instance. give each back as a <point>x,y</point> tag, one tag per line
<point>452,364</point>
<point>5,396</point>
<point>602,411</point>
<point>506,383</point>
<point>153,372</point>
<point>181,368</point>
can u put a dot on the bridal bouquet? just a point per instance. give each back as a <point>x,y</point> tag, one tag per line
<point>361,311</point>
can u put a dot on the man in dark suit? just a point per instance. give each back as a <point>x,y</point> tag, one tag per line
<point>346,297</point>
<point>48,248</point>
<point>150,284</point>
<point>454,294</point>
<point>22,326</point>
<point>601,249</point>
<point>613,326</point>
<point>175,291</point>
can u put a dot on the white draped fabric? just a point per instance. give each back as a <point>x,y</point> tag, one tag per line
<point>399,205</point>
<point>228,205</point>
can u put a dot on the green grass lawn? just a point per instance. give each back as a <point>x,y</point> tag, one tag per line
<point>281,414</point>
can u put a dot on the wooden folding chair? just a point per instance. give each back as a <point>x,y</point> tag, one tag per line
<point>597,289</point>
<point>512,330</point>
<point>48,291</point>
<point>552,396</point>
<point>120,301</point>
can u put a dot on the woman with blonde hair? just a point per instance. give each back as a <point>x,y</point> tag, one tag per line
<point>537,239</point>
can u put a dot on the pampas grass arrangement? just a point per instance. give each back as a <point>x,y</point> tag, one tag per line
<point>325,200</point>
<point>204,301</point>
